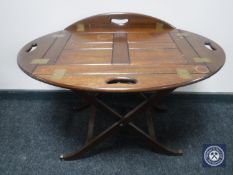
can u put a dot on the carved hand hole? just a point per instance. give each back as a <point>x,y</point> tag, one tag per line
<point>209,46</point>
<point>32,47</point>
<point>122,80</point>
<point>120,22</point>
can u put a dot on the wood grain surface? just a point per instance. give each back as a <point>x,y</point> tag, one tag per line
<point>121,52</point>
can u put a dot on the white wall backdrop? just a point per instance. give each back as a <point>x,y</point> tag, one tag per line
<point>25,20</point>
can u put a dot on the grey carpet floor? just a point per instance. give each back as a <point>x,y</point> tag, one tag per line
<point>35,128</point>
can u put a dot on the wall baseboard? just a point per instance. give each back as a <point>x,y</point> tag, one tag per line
<point>69,95</point>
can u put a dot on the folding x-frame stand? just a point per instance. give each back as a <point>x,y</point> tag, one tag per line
<point>146,105</point>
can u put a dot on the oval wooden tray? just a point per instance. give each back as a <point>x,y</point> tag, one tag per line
<point>121,52</point>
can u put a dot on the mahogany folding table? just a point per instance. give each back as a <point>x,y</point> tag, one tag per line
<point>121,53</point>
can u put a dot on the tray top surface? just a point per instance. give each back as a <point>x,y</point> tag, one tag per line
<point>121,52</point>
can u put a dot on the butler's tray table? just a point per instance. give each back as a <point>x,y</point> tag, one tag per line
<point>121,53</point>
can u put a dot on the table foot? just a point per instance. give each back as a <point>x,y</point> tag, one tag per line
<point>70,156</point>
<point>159,148</point>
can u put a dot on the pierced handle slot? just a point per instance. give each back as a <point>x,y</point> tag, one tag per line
<point>32,47</point>
<point>122,80</point>
<point>120,22</point>
<point>209,46</point>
